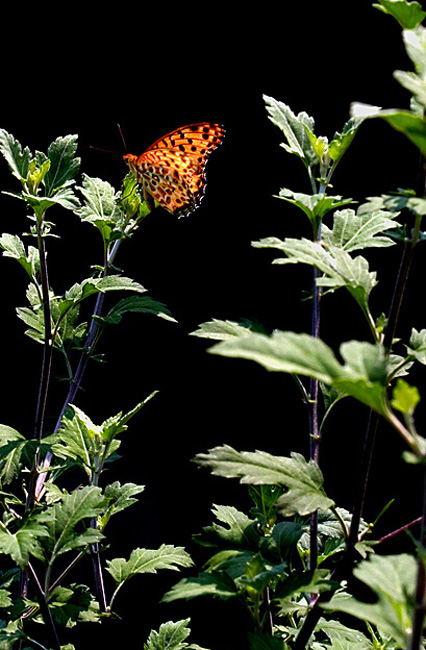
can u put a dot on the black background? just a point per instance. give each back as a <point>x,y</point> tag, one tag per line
<point>90,66</point>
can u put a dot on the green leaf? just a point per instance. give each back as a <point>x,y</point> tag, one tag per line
<point>171,636</point>
<point>408,14</point>
<point>363,376</point>
<point>353,231</point>
<point>342,141</point>
<point>136,304</point>
<point>17,159</point>
<point>26,541</point>
<point>315,206</point>
<point>304,480</point>
<point>417,345</point>
<point>392,578</point>
<point>11,446</point>
<point>78,439</point>
<point>239,530</point>
<point>342,637</point>
<point>220,330</point>
<point>13,247</point>
<point>100,204</point>
<point>119,497</point>
<point>413,126</point>
<point>64,525</point>
<point>339,268</point>
<point>405,397</point>
<point>63,164</point>
<point>293,127</point>
<point>73,604</point>
<point>415,45</point>
<point>216,584</point>
<point>144,560</point>
<point>285,352</point>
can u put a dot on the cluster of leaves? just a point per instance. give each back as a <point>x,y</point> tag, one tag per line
<point>47,529</point>
<point>269,560</point>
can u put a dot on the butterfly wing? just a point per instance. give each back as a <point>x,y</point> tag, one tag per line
<point>172,169</point>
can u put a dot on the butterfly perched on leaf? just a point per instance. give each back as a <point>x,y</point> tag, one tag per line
<point>172,170</point>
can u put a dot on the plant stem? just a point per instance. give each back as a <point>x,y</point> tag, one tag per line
<point>44,608</point>
<point>45,366</point>
<point>81,368</point>
<point>314,436</point>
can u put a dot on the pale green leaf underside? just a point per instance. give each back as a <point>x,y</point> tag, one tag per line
<point>303,480</point>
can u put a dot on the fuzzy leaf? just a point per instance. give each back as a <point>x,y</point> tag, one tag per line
<point>144,560</point>
<point>293,127</point>
<point>315,206</point>
<point>304,480</point>
<point>13,247</point>
<point>63,164</point>
<point>353,231</point>
<point>17,159</point>
<point>171,636</point>
<point>220,330</point>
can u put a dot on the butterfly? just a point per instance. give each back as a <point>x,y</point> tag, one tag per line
<point>172,170</point>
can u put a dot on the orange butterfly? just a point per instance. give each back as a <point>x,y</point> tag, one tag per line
<point>172,170</point>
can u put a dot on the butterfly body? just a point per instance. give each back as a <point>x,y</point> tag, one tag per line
<point>172,169</point>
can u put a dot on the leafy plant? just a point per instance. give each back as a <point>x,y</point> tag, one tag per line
<point>293,560</point>
<point>48,525</point>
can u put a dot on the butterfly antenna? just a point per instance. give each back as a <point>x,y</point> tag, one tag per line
<point>122,137</point>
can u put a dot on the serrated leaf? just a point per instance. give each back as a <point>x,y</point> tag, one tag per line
<point>13,247</point>
<point>144,560</point>
<point>363,376</point>
<point>82,505</point>
<point>100,204</point>
<point>63,163</point>
<point>303,480</point>
<point>136,304</point>
<point>220,330</point>
<point>408,14</point>
<point>238,531</point>
<point>17,159</point>
<point>353,231</point>
<point>118,497</point>
<point>342,637</point>
<point>338,267</point>
<point>392,578</point>
<point>293,127</point>
<point>171,636</point>
<point>216,584</point>
<point>72,605</point>
<point>315,206</point>
<point>26,541</point>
